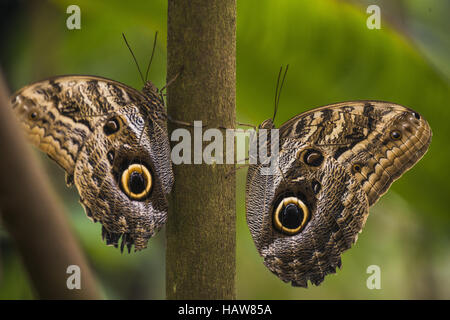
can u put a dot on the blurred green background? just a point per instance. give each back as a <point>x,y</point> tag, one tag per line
<point>333,57</point>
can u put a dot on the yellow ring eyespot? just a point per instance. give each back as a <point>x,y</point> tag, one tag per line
<point>136,181</point>
<point>396,135</point>
<point>291,215</point>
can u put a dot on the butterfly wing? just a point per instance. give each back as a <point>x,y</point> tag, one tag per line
<point>362,133</point>
<point>310,210</point>
<point>96,128</point>
<point>336,214</point>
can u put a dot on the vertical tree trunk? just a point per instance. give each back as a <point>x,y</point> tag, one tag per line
<point>201,235</point>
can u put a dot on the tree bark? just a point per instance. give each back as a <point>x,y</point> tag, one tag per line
<point>34,218</point>
<point>201,234</point>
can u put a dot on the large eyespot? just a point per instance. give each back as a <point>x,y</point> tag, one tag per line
<point>111,126</point>
<point>396,135</point>
<point>313,158</point>
<point>290,216</point>
<point>136,181</point>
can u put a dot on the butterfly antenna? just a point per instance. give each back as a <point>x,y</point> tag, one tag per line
<point>278,90</point>
<point>135,60</point>
<point>151,57</point>
<point>276,94</point>
<point>282,83</point>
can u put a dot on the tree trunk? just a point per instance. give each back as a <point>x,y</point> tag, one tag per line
<point>201,233</point>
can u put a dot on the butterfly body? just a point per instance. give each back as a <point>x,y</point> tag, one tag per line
<point>95,129</point>
<point>334,163</point>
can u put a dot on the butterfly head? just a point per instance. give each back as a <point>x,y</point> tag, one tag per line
<point>151,90</point>
<point>267,124</point>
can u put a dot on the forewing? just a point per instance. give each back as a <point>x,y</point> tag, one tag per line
<point>360,135</point>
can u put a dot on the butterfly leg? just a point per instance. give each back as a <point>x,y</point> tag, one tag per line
<point>235,169</point>
<point>171,80</point>
<point>246,125</point>
<point>181,123</point>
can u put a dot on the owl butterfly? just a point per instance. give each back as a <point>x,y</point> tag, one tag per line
<point>112,142</point>
<point>334,163</point>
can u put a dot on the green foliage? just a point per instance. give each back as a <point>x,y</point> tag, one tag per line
<point>333,57</point>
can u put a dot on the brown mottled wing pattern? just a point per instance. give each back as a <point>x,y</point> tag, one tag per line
<point>66,117</point>
<point>360,132</point>
<point>360,148</point>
